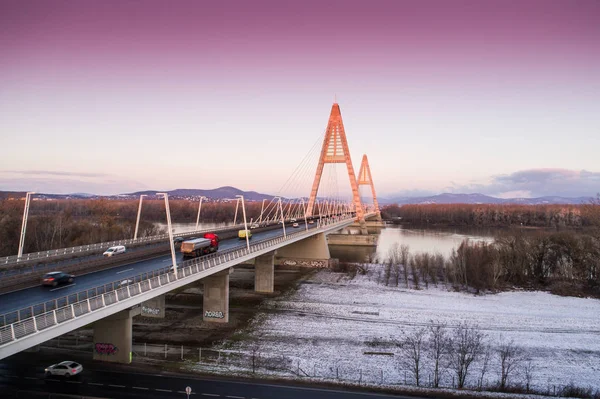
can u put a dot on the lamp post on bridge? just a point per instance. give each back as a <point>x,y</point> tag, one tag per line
<point>282,218</point>
<point>24,223</point>
<point>237,204</point>
<point>245,223</point>
<point>137,222</point>
<point>304,209</point>
<point>173,257</point>
<point>262,209</point>
<point>199,209</point>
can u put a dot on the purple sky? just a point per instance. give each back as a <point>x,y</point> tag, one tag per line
<point>500,97</point>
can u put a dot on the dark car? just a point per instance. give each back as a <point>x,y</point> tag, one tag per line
<point>178,240</point>
<point>56,278</point>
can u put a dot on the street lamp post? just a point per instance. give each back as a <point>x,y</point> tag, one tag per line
<point>199,209</point>
<point>262,208</point>
<point>320,208</point>
<point>245,223</point>
<point>24,223</point>
<point>282,219</point>
<point>237,204</point>
<point>304,209</point>
<point>137,222</point>
<point>173,257</point>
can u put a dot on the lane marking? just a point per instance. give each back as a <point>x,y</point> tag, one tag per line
<point>210,394</point>
<point>116,386</point>
<point>95,383</point>
<point>235,397</point>
<point>60,288</point>
<point>11,376</point>
<point>142,388</point>
<point>123,271</point>
<point>162,390</point>
<point>74,382</point>
<point>30,378</point>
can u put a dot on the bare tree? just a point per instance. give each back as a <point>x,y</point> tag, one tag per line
<point>404,255</point>
<point>412,348</point>
<point>529,371</point>
<point>467,344</point>
<point>439,345</point>
<point>510,356</point>
<point>486,356</point>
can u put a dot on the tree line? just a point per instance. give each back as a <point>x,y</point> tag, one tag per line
<point>494,215</point>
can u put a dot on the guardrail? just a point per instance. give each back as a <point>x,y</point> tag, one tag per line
<point>82,249</point>
<point>57,311</point>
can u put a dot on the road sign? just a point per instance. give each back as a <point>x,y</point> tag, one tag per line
<point>188,391</point>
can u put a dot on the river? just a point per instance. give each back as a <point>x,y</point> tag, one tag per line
<point>430,240</point>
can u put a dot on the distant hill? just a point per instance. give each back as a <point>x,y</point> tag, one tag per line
<point>226,192</point>
<point>448,198</point>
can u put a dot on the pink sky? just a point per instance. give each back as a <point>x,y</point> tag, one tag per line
<point>473,90</point>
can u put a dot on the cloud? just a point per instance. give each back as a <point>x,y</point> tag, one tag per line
<point>537,183</point>
<point>65,182</point>
<point>53,173</point>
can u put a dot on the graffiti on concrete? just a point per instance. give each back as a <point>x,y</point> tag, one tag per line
<point>106,349</point>
<point>151,311</point>
<point>306,262</point>
<point>214,314</point>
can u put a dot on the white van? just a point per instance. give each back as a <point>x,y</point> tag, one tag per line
<point>119,249</point>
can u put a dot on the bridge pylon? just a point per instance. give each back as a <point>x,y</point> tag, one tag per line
<point>335,150</point>
<point>366,179</point>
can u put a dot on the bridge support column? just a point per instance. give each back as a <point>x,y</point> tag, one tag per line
<point>112,337</point>
<point>216,297</point>
<point>312,251</point>
<point>264,272</point>
<point>154,307</point>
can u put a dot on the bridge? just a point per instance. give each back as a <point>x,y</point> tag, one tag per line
<point>34,315</point>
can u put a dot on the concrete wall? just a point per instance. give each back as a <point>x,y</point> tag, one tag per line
<point>352,239</point>
<point>216,297</point>
<point>314,247</point>
<point>264,272</point>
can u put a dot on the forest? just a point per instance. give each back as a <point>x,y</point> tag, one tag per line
<point>493,215</point>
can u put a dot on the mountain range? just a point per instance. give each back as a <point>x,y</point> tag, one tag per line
<point>228,192</point>
<point>449,198</point>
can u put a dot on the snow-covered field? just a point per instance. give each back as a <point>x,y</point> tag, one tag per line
<point>329,324</point>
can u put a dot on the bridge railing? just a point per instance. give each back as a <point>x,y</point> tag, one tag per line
<point>57,311</point>
<point>83,249</point>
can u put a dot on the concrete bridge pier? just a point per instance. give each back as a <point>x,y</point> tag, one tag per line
<point>113,335</point>
<point>216,297</point>
<point>264,272</point>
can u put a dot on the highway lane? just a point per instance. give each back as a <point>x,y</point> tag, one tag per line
<point>48,267</point>
<point>32,296</point>
<point>26,371</point>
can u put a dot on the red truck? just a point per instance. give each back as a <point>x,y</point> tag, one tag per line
<point>200,246</point>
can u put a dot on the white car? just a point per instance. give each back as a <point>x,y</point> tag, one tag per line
<point>311,222</point>
<point>119,249</point>
<point>125,283</point>
<point>64,369</point>
<point>295,225</point>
